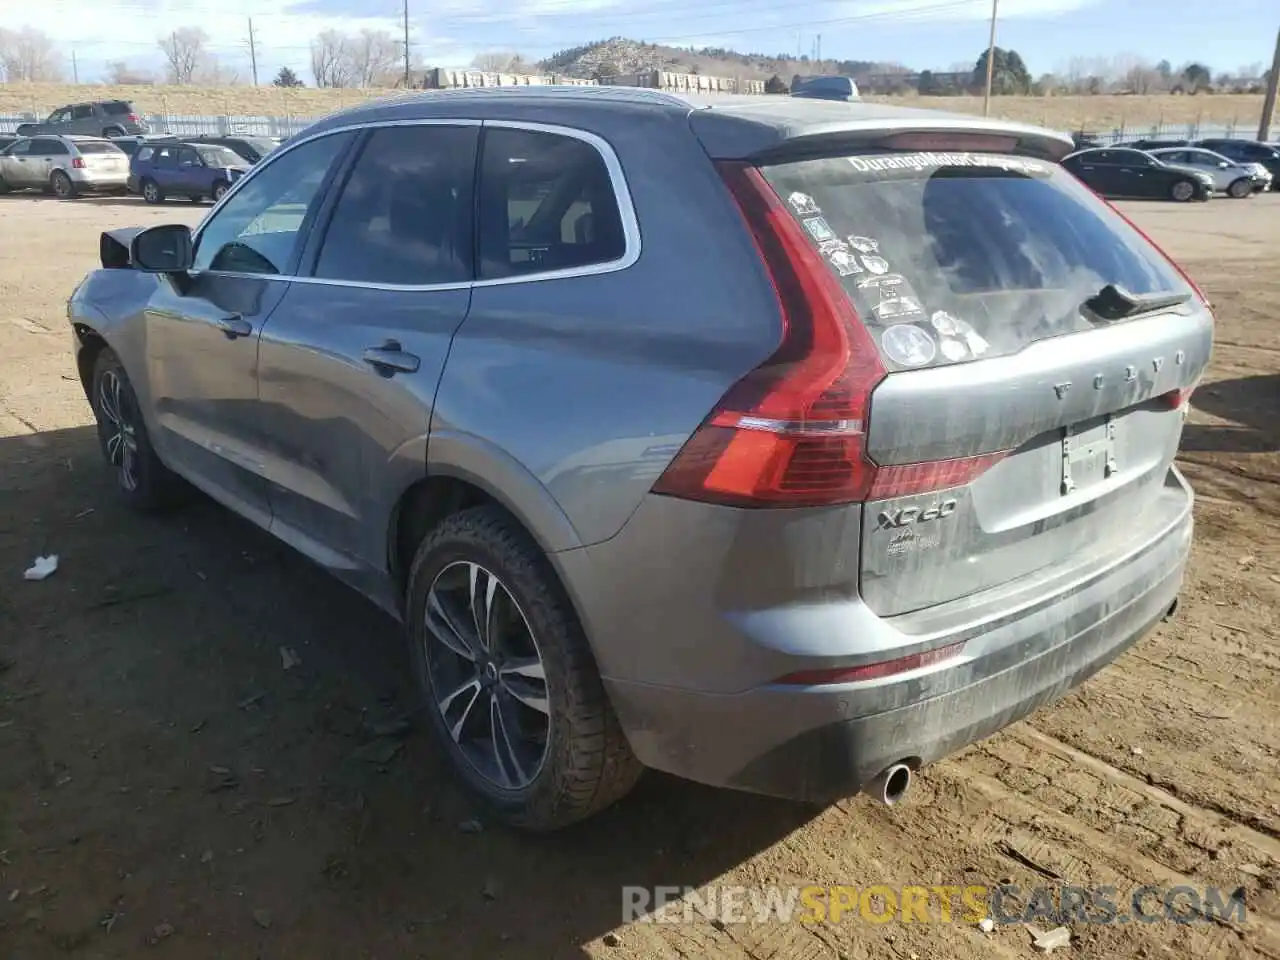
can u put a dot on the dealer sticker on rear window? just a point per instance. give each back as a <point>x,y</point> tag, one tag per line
<point>888,165</point>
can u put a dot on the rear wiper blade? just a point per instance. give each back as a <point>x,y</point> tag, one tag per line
<point>1114,302</point>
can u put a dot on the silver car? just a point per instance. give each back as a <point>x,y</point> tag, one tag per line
<point>1238,180</point>
<point>780,444</point>
<point>68,166</point>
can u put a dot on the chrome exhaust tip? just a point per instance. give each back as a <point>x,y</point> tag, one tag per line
<point>891,785</point>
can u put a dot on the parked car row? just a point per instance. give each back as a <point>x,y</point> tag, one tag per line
<point>1180,173</point>
<point>157,166</point>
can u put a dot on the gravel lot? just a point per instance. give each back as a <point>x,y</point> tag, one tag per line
<point>166,785</point>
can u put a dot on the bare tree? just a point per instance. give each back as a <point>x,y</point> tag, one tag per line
<point>500,62</point>
<point>28,55</point>
<point>331,59</point>
<point>373,56</point>
<point>214,73</point>
<point>185,49</point>
<point>119,72</point>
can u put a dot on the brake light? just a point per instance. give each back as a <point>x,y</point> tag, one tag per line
<point>77,162</point>
<point>793,431</point>
<point>872,671</point>
<point>133,118</point>
<point>1177,399</point>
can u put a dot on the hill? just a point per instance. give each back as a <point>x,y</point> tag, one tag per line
<point>621,56</point>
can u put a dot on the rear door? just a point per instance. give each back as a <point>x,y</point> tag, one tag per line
<point>47,153</point>
<point>1055,417</point>
<point>84,121</point>
<point>350,362</point>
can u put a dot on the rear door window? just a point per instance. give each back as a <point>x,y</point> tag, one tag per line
<point>547,203</point>
<point>117,108</point>
<point>404,217</point>
<point>981,254</point>
<point>47,147</point>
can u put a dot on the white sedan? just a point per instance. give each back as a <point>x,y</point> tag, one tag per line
<point>1237,180</point>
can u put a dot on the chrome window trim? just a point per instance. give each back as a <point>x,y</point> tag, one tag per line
<point>618,180</point>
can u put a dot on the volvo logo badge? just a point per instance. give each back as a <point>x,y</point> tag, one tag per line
<point>1097,381</point>
<point>1130,374</point>
<point>1180,356</point>
<point>1061,389</point>
<point>1157,363</point>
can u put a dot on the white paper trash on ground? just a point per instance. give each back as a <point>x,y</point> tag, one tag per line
<point>42,567</point>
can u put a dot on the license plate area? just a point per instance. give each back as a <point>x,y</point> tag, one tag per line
<point>1088,453</point>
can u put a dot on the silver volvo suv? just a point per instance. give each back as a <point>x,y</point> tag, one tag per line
<point>781,444</point>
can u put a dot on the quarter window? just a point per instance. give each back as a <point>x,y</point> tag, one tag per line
<point>405,213</point>
<point>546,203</point>
<point>259,228</point>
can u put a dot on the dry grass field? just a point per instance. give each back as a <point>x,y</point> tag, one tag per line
<point>1066,113</point>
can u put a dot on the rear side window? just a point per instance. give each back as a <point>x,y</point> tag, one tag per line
<point>405,213</point>
<point>82,112</point>
<point>117,108</point>
<point>96,146</point>
<point>547,202</point>
<point>48,148</point>
<point>952,256</point>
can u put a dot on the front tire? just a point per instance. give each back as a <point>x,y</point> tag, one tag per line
<point>151,191</point>
<point>62,186</point>
<point>1183,191</point>
<point>1240,189</point>
<point>144,482</point>
<point>512,691</point>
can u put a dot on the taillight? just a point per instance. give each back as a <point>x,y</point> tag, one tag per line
<point>133,118</point>
<point>77,162</point>
<point>793,431</point>
<point>1177,399</point>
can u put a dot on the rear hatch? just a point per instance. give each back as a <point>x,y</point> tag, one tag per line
<point>103,157</point>
<point>1038,352</point>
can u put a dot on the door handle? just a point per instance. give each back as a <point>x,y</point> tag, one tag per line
<point>234,326</point>
<point>391,358</point>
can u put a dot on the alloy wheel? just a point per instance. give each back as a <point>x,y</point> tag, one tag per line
<point>150,192</point>
<point>120,432</point>
<point>486,674</point>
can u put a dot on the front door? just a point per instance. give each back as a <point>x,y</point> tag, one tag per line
<point>203,331</point>
<point>191,175</point>
<point>351,359</point>
<point>17,165</point>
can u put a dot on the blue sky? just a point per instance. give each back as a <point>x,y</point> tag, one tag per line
<point>919,33</point>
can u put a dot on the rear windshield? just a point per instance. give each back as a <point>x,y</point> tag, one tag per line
<point>948,257</point>
<point>118,107</point>
<point>96,146</point>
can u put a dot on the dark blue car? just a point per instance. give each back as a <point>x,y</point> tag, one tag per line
<point>192,170</point>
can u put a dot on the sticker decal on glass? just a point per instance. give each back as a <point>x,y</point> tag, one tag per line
<point>875,264</point>
<point>898,307</point>
<point>840,256</point>
<point>953,349</point>
<point>803,204</point>
<point>908,345</point>
<point>819,229</point>
<point>864,244</point>
<point>946,324</point>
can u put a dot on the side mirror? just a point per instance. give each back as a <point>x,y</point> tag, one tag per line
<point>163,249</point>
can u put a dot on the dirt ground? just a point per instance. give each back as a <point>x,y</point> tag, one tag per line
<point>166,786</point>
<point>1100,113</point>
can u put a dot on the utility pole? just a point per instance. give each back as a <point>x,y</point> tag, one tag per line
<point>407,82</point>
<point>991,60</point>
<point>253,53</point>
<point>1269,101</point>
<point>819,48</point>
<point>75,70</point>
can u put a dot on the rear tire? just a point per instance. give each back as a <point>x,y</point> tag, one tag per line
<point>1183,191</point>
<point>62,186</point>
<point>144,482</point>
<point>530,679</point>
<point>151,191</point>
<point>219,189</point>
<point>1240,189</point>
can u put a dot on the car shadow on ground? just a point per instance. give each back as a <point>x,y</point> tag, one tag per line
<point>1252,404</point>
<point>162,763</point>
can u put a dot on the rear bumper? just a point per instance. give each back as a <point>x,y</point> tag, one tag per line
<point>94,182</point>
<point>823,742</point>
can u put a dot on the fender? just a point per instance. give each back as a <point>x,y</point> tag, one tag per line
<point>465,456</point>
